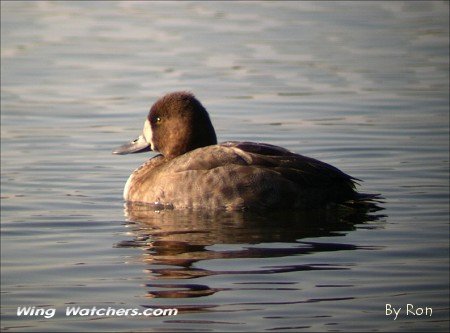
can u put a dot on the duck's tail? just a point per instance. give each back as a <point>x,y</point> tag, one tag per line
<point>365,202</point>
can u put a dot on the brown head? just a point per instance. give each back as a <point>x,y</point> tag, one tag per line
<point>177,123</point>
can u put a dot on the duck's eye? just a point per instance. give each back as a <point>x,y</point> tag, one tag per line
<point>158,120</point>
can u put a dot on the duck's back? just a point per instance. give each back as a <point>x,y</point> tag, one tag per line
<point>239,175</point>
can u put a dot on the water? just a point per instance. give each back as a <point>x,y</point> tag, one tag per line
<point>361,85</point>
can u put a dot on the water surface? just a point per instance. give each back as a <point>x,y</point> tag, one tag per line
<point>361,85</point>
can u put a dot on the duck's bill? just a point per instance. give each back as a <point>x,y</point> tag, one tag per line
<point>136,146</point>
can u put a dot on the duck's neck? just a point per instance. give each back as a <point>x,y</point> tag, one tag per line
<point>197,135</point>
<point>185,147</point>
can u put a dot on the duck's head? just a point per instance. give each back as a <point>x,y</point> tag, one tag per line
<point>177,123</point>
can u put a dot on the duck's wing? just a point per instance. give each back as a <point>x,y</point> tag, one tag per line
<point>258,148</point>
<point>297,168</point>
<point>302,170</point>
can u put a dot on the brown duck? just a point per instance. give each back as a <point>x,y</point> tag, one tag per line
<point>194,171</point>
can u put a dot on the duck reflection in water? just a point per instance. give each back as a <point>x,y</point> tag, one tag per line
<point>181,238</point>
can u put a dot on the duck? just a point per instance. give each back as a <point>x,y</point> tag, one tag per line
<point>193,171</point>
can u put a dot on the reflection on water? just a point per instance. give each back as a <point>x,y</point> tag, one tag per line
<point>175,241</point>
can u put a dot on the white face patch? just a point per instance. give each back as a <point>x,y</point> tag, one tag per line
<point>148,134</point>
